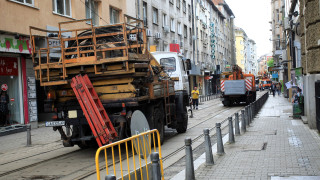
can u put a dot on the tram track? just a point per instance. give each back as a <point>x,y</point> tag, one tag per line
<point>90,167</point>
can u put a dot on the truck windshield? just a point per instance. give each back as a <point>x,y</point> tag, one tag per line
<point>169,64</point>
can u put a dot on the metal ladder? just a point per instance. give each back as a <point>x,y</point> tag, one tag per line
<point>93,110</point>
<point>167,102</point>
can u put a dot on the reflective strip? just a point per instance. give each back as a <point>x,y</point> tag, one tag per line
<point>222,85</point>
<point>248,84</point>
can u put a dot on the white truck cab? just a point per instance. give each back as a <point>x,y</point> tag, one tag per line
<point>176,67</point>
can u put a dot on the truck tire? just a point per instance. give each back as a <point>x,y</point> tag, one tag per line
<point>158,119</point>
<point>182,126</point>
<point>155,119</point>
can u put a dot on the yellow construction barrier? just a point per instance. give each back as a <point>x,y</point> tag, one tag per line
<point>135,161</point>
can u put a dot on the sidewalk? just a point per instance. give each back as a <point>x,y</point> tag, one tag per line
<point>275,146</point>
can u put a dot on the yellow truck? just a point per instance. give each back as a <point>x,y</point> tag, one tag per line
<point>121,72</point>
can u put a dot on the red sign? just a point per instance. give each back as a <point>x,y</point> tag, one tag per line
<point>12,99</point>
<point>208,77</point>
<point>175,48</point>
<point>4,87</point>
<point>8,66</point>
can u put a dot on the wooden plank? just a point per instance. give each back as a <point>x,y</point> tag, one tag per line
<point>54,83</point>
<point>117,96</point>
<point>112,81</point>
<point>87,60</point>
<point>128,88</point>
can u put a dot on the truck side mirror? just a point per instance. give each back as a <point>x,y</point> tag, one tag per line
<point>188,64</point>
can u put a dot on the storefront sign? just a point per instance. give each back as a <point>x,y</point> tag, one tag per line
<point>212,42</point>
<point>8,66</point>
<point>10,44</point>
<point>4,87</point>
<point>175,48</point>
<point>12,99</point>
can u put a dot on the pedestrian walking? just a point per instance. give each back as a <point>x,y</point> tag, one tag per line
<point>195,97</point>
<point>278,88</point>
<point>273,89</point>
<point>4,101</point>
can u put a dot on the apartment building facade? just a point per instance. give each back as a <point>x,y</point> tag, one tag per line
<point>241,48</point>
<point>251,64</point>
<point>16,67</point>
<point>301,27</point>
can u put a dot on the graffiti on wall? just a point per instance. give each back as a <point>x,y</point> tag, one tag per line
<point>9,43</point>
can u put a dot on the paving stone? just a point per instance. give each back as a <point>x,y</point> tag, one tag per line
<point>292,148</point>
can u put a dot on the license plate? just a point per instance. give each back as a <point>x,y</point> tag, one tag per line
<point>55,123</point>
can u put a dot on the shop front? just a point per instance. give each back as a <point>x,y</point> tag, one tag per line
<point>17,82</point>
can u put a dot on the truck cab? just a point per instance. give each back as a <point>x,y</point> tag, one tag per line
<point>176,67</point>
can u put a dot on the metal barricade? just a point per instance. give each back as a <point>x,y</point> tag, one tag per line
<point>135,161</point>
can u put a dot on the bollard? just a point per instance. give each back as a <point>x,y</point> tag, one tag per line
<point>209,156</point>
<point>246,115</point>
<point>68,130</point>
<point>110,177</point>
<point>250,113</point>
<point>243,122</point>
<point>231,134</point>
<point>28,134</point>
<point>189,160</point>
<point>156,175</point>
<point>220,148</point>
<point>236,124</point>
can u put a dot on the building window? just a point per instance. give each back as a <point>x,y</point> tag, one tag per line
<point>179,28</point>
<point>189,12</point>
<point>185,31</point>
<point>172,25</point>
<point>190,35</point>
<point>92,11</point>
<point>27,2</point>
<point>114,16</point>
<point>62,7</point>
<point>184,6</point>
<point>145,14</point>
<point>164,20</point>
<point>155,16</point>
<point>178,4</point>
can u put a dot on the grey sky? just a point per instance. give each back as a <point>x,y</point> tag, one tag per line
<point>253,17</point>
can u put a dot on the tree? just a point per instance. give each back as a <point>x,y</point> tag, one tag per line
<point>270,62</point>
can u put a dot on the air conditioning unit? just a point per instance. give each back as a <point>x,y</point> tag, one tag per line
<point>181,44</point>
<point>157,35</point>
<point>175,41</point>
<point>149,34</point>
<point>166,29</point>
<point>286,23</point>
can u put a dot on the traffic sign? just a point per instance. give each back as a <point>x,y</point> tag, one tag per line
<point>4,87</point>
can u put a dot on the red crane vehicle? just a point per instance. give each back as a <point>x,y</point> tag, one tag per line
<point>99,78</point>
<point>238,87</point>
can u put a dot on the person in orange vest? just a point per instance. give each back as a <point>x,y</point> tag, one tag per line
<point>195,97</point>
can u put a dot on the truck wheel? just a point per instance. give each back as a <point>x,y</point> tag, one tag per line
<point>155,119</point>
<point>182,126</point>
<point>158,120</point>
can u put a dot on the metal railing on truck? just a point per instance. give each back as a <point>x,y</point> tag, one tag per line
<point>75,47</point>
<point>136,162</point>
